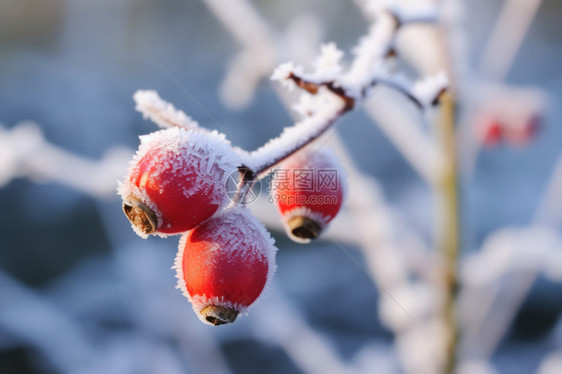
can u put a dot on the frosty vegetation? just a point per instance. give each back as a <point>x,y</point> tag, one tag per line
<point>403,264</point>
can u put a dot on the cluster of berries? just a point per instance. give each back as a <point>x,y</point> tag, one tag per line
<point>509,116</point>
<point>492,130</point>
<point>176,184</point>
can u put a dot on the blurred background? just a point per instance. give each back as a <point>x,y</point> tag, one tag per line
<point>81,293</point>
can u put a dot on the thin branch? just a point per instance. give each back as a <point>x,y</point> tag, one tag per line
<point>376,46</point>
<point>350,87</point>
<point>245,24</point>
<point>161,112</point>
<point>549,211</point>
<point>30,155</point>
<point>449,228</point>
<point>513,297</point>
<point>509,32</point>
<point>296,137</point>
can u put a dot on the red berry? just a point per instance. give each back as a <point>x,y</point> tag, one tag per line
<point>224,264</point>
<point>309,190</point>
<point>493,134</point>
<point>490,130</point>
<point>522,133</point>
<point>176,180</point>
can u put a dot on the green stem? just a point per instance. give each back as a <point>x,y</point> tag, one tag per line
<point>449,225</point>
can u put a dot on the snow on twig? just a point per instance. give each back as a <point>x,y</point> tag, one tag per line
<point>549,212</point>
<point>25,153</point>
<point>245,24</point>
<point>161,112</point>
<point>517,255</point>
<point>366,70</point>
<point>296,137</point>
<point>407,11</point>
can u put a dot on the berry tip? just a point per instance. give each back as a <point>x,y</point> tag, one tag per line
<point>304,228</point>
<point>219,315</point>
<point>140,215</point>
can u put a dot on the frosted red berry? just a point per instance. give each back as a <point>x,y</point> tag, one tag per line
<point>176,180</point>
<point>492,134</point>
<point>308,189</point>
<point>224,264</point>
<point>494,129</point>
<point>525,131</point>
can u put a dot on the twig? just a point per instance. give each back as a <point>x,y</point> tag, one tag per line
<point>351,87</point>
<point>448,227</point>
<point>297,137</point>
<point>161,112</point>
<point>30,155</point>
<point>549,211</point>
<point>516,292</point>
<point>509,31</point>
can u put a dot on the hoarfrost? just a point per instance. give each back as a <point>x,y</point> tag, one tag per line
<point>283,74</point>
<point>294,137</point>
<point>514,249</point>
<point>426,90</point>
<point>161,112</point>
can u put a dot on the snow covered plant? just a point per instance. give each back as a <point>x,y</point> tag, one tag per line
<point>176,183</point>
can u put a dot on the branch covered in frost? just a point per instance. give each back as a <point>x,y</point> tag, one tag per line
<point>367,70</point>
<point>515,255</point>
<point>24,152</point>
<point>370,54</point>
<point>506,38</point>
<point>298,136</point>
<point>406,11</point>
<point>161,112</point>
<point>549,212</point>
<point>378,45</point>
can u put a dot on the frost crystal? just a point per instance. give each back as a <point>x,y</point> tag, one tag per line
<point>306,106</point>
<point>369,53</point>
<point>427,90</point>
<point>161,112</point>
<point>283,74</point>
<point>328,63</point>
<point>309,105</point>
